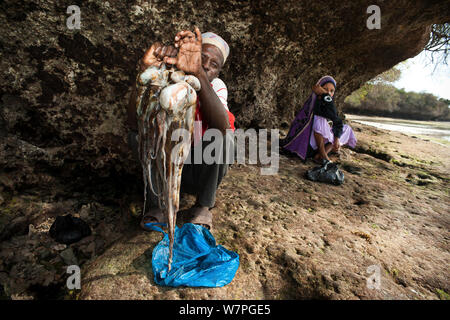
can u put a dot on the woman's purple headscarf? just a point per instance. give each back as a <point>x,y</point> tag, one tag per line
<point>297,140</point>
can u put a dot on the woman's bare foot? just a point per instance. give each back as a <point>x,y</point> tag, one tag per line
<point>318,158</point>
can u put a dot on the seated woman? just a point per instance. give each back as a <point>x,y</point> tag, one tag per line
<point>310,134</point>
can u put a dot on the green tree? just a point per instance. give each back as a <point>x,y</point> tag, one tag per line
<point>379,97</point>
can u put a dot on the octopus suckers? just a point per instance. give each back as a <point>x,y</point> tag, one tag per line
<point>166,101</point>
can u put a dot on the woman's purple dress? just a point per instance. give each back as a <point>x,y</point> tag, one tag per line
<point>298,138</point>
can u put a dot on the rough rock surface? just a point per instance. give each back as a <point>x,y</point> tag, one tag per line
<point>296,239</point>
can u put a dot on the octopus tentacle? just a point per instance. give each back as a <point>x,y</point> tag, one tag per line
<point>165,101</point>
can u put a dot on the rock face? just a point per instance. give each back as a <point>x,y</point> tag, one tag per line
<point>64,92</point>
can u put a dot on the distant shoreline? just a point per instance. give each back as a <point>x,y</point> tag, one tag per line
<point>436,131</point>
<point>400,118</point>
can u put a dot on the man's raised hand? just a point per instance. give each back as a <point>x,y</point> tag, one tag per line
<point>189,58</point>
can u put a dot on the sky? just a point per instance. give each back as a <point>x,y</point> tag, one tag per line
<point>418,75</point>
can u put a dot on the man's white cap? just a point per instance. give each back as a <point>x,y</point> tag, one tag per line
<point>215,40</point>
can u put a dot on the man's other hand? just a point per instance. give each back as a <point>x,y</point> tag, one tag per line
<point>155,55</point>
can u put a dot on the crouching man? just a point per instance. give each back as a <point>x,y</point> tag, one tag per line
<point>202,55</point>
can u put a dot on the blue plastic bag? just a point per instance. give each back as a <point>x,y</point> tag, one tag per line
<point>197,260</point>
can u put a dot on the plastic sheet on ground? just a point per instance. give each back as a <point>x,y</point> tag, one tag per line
<point>197,260</point>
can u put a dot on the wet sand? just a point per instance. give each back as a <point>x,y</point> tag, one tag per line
<point>436,131</point>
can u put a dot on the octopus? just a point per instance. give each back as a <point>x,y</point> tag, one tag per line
<point>166,101</point>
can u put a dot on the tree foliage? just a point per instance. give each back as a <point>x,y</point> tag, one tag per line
<point>439,43</point>
<point>388,101</point>
<point>379,97</point>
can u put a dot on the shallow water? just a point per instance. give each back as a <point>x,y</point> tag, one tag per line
<point>432,129</point>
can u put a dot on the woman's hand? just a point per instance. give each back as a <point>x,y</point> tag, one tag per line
<point>318,90</point>
<point>189,58</point>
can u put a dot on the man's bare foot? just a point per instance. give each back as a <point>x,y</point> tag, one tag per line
<point>198,215</point>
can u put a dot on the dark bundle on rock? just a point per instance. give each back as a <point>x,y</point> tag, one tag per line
<point>328,172</point>
<point>68,229</point>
